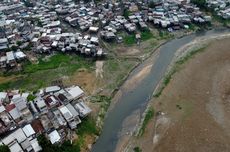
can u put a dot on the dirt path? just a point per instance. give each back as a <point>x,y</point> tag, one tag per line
<point>197,105</point>
<point>99,68</point>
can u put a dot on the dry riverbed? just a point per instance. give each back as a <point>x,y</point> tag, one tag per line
<point>194,106</point>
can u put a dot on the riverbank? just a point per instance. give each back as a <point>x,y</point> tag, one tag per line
<point>175,107</point>
<point>100,80</point>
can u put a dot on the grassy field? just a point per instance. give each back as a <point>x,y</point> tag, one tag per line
<point>87,127</point>
<point>117,69</point>
<point>73,62</point>
<point>146,35</point>
<point>35,76</point>
<point>130,39</point>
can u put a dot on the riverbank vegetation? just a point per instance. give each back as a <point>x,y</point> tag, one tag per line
<point>181,107</point>
<point>148,116</point>
<point>175,68</point>
<point>62,66</point>
<point>86,129</point>
<point>64,147</point>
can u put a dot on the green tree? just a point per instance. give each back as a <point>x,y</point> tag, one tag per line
<point>44,142</point>
<point>137,149</point>
<point>31,97</point>
<point>126,13</point>
<point>27,3</point>
<point>4,148</point>
<point>151,4</point>
<point>68,147</point>
<point>19,43</point>
<point>199,3</point>
<point>48,147</point>
<point>14,48</point>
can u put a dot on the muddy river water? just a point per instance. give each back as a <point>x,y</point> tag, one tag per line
<point>137,98</point>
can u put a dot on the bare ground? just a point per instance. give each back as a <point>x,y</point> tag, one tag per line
<point>7,79</point>
<point>196,106</point>
<point>84,78</point>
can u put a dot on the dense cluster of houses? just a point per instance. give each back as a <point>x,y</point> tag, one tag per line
<point>40,28</point>
<point>10,59</point>
<point>222,7</point>
<point>107,18</point>
<point>53,111</point>
<point>176,14</point>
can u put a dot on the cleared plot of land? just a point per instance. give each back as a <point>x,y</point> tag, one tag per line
<point>196,106</point>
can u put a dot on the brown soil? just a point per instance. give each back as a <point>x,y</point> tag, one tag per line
<point>142,50</point>
<point>85,79</point>
<point>128,51</point>
<point>196,106</point>
<point>89,139</point>
<point>7,79</point>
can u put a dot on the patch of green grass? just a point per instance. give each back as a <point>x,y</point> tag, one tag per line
<point>113,65</point>
<point>36,76</point>
<point>146,35</point>
<point>57,61</point>
<point>168,77</point>
<point>126,13</point>
<point>164,34</point>
<point>5,86</point>
<point>4,148</point>
<point>31,97</point>
<point>87,127</point>
<point>100,98</point>
<point>166,81</point>
<point>189,56</point>
<point>192,27</point>
<point>129,39</point>
<point>137,149</point>
<point>115,70</point>
<point>148,116</point>
<point>105,102</point>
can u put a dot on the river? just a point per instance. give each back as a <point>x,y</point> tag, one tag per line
<point>138,97</point>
